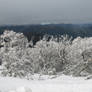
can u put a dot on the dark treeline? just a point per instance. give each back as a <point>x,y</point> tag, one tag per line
<point>36,32</point>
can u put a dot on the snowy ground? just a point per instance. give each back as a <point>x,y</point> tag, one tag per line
<point>59,84</point>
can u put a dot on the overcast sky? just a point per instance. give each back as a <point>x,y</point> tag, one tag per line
<point>45,11</point>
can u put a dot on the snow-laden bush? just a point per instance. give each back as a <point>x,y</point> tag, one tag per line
<point>49,56</point>
<point>14,55</point>
<point>53,54</point>
<point>78,66</point>
<point>46,57</point>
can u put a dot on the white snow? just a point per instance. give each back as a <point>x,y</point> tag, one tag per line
<point>59,84</point>
<point>21,89</point>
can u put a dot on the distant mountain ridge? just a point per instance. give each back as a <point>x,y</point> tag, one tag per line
<point>74,30</point>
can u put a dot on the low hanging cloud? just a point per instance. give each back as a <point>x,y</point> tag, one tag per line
<point>39,11</point>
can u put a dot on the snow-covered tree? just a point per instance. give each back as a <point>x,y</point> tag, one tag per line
<point>50,55</point>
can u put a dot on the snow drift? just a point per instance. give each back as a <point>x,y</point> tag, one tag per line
<point>59,84</point>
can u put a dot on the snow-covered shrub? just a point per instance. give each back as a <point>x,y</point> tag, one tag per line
<point>49,56</point>
<point>14,55</point>
<point>77,65</point>
<point>53,54</point>
<point>16,64</point>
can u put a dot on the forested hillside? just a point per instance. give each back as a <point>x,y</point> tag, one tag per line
<point>36,32</point>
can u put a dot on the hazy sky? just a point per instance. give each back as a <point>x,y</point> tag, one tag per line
<point>40,11</point>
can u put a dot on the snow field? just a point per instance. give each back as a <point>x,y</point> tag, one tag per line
<point>59,84</point>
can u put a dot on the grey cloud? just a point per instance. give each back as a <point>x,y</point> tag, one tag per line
<point>37,11</point>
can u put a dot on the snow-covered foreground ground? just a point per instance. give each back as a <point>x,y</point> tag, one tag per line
<point>59,84</point>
